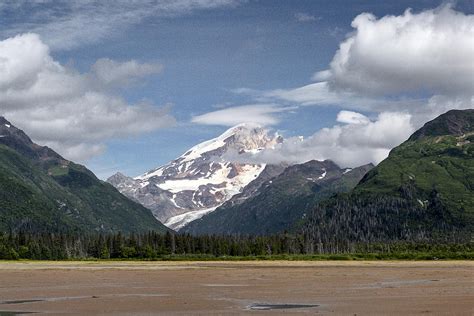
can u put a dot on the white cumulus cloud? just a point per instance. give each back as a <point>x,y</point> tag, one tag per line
<point>430,52</point>
<point>395,63</point>
<point>73,113</point>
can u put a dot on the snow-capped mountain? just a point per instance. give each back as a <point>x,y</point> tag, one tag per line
<point>200,180</point>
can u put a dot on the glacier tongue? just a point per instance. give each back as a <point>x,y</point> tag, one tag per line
<point>200,180</point>
<point>179,221</point>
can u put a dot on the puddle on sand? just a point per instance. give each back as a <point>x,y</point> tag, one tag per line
<point>20,302</point>
<point>267,307</point>
<point>67,298</point>
<point>13,313</point>
<point>223,285</point>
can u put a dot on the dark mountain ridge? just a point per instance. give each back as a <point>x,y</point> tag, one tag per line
<point>275,205</point>
<point>454,122</point>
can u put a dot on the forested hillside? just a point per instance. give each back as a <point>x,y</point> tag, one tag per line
<point>42,192</point>
<point>424,190</point>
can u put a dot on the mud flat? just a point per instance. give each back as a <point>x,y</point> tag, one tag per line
<point>203,288</point>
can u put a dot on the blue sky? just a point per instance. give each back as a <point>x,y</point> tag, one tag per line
<point>206,53</point>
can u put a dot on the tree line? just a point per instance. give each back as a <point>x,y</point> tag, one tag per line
<point>369,218</point>
<point>153,245</point>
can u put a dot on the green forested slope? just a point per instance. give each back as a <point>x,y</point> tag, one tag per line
<point>423,190</point>
<point>437,160</point>
<point>41,191</point>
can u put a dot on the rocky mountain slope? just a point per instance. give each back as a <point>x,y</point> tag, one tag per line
<point>275,205</point>
<point>40,191</point>
<point>423,190</point>
<point>201,179</point>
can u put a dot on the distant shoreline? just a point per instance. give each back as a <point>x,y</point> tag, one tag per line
<point>142,264</point>
<point>356,257</point>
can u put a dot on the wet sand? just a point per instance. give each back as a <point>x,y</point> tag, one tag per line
<point>222,288</point>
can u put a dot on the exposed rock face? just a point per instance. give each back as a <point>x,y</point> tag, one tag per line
<point>201,179</point>
<point>17,139</point>
<point>454,122</point>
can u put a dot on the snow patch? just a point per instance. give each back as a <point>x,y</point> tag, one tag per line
<point>173,200</point>
<point>323,175</point>
<point>250,172</point>
<point>157,173</point>
<point>179,221</point>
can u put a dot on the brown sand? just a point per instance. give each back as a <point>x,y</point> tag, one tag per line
<point>203,288</point>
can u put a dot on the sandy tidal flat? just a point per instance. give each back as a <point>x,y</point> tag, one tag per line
<point>221,288</point>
